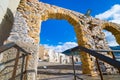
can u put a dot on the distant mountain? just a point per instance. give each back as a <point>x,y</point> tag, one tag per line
<point>116,48</point>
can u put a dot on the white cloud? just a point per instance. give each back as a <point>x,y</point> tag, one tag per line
<point>61,48</point>
<point>110,38</point>
<point>113,43</point>
<point>112,15</point>
<point>107,34</point>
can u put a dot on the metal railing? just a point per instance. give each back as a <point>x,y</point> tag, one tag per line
<point>24,55</point>
<point>97,55</point>
<point>114,58</point>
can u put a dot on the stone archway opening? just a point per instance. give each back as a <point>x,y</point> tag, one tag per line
<point>114,29</point>
<point>57,35</point>
<point>66,32</point>
<point>112,32</point>
<point>57,32</point>
<point>78,25</point>
<point>110,38</point>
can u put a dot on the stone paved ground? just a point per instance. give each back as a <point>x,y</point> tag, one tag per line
<point>53,71</point>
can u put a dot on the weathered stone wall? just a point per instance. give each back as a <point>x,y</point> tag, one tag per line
<point>27,24</point>
<point>7,12</point>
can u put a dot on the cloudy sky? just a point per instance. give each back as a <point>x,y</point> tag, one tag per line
<point>59,34</point>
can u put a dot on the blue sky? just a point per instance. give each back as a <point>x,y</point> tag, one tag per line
<point>59,34</point>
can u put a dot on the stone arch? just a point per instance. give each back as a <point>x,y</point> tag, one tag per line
<point>76,22</point>
<point>60,14</point>
<point>70,17</point>
<point>114,29</point>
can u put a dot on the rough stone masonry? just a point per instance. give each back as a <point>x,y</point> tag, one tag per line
<point>27,24</point>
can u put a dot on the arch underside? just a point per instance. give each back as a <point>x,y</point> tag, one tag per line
<point>114,29</point>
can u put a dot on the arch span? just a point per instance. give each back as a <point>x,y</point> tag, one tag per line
<point>61,14</point>
<point>114,29</point>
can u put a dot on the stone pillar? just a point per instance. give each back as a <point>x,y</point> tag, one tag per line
<point>87,64</point>
<point>117,36</point>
